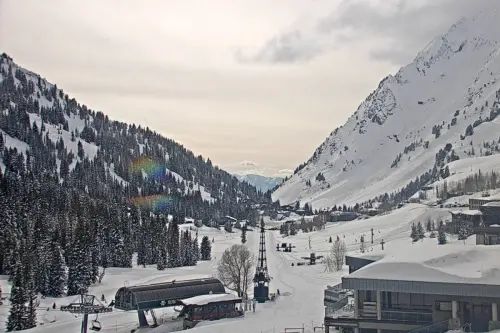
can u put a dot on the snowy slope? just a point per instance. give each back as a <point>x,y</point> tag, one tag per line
<point>391,139</point>
<point>192,178</point>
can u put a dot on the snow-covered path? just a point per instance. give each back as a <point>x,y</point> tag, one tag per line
<point>301,287</point>
<point>300,303</point>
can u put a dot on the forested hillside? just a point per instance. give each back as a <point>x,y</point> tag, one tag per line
<point>79,190</point>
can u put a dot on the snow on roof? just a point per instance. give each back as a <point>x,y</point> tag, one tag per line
<point>211,298</point>
<point>468,212</point>
<point>427,261</point>
<point>493,204</point>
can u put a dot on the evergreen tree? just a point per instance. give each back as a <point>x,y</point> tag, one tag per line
<point>173,247</point>
<point>196,249</point>
<point>463,231</point>
<point>18,298</point>
<point>57,272</point>
<point>293,229</point>
<point>81,152</point>
<point>441,234</point>
<point>79,270</point>
<point>420,231</point>
<point>162,252</point>
<point>428,225</point>
<point>244,234</point>
<point>206,248</point>
<point>414,234</point>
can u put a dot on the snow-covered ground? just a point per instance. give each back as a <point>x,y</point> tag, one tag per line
<point>391,138</point>
<point>301,287</point>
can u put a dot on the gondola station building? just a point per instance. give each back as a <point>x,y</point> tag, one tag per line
<point>200,299</point>
<point>419,287</point>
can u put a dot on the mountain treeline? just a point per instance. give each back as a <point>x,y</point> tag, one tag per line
<point>78,192</point>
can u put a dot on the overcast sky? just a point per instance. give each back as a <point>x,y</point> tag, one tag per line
<point>256,85</point>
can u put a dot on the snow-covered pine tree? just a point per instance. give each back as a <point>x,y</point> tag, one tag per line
<point>57,272</point>
<point>441,234</point>
<point>190,257</point>
<point>173,244</point>
<point>206,248</point>
<point>414,234</point>
<point>244,234</point>
<point>30,293</point>
<point>420,231</point>
<point>79,270</point>
<point>183,249</point>
<point>463,231</point>
<point>162,259</point>
<point>196,249</point>
<point>18,298</point>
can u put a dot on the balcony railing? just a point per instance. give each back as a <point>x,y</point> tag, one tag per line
<point>407,316</point>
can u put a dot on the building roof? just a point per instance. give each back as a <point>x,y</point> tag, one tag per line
<point>211,298</point>
<point>470,212</point>
<point>164,294</point>
<point>493,204</point>
<point>426,267</point>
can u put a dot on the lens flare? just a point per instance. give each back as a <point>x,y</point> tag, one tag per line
<point>156,203</point>
<point>151,168</point>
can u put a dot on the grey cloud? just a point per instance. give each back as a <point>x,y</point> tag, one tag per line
<point>248,163</point>
<point>401,28</point>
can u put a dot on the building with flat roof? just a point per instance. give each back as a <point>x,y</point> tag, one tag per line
<point>421,287</point>
<point>475,203</point>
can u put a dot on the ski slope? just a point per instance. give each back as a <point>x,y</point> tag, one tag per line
<point>301,287</point>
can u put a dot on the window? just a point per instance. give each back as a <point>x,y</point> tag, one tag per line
<point>443,306</point>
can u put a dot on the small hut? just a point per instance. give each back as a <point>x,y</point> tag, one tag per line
<point>209,307</point>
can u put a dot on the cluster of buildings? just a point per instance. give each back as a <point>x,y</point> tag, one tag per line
<point>482,219</point>
<point>425,287</point>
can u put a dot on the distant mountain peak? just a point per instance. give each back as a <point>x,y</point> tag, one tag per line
<point>397,131</point>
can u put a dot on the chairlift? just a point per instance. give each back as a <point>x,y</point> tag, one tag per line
<point>96,325</point>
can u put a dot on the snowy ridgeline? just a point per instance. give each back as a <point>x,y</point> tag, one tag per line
<point>441,107</point>
<point>129,155</point>
<point>79,192</point>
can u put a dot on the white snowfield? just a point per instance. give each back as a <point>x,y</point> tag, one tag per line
<point>301,287</point>
<point>451,84</point>
<point>426,261</point>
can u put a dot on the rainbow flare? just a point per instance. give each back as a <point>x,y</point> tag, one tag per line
<point>156,202</point>
<point>150,167</point>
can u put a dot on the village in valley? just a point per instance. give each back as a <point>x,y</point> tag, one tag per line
<point>391,226</point>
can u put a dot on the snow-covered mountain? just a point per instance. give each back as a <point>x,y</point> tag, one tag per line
<point>262,183</point>
<point>46,132</point>
<point>448,95</point>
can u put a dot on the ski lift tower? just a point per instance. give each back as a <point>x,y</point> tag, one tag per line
<point>87,305</point>
<point>261,278</point>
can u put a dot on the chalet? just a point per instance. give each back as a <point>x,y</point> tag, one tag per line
<point>476,203</point>
<point>209,307</point>
<point>488,235</point>
<point>491,213</point>
<point>421,289</point>
<point>338,216</point>
<point>470,218</point>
